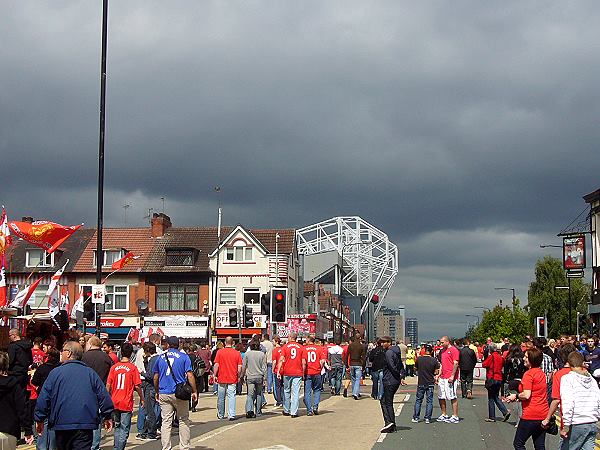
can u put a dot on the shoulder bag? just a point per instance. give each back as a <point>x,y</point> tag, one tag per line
<point>183,391</point>
<point>489,382</point>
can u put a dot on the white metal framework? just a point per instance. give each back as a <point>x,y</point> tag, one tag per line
<point>369,260</point>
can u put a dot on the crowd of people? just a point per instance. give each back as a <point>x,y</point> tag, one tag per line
<point>66,398</point>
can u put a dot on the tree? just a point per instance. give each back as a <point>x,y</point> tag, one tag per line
<point>544,299</point>
<point>502,322</point>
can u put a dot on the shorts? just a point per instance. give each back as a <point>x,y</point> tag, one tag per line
<point>447,390</point>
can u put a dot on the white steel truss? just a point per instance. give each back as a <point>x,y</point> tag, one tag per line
<point>369,260</point>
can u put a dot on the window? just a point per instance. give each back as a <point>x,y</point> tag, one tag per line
<point>38,257</point>
<point>117,298</point>
<point>251,296</point>
<point>110,256</point>
<point>177,297</point>
<point>227,296</point>
<point>38,299</point>
<point>239,254</point>
<point>179,257</point>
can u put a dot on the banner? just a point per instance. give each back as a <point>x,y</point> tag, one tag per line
<point>44,234</point>
<point>574,253</point>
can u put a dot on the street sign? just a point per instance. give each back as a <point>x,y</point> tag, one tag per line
<point>260,321</point>
<point>574,273</point>
<point>98,293</point>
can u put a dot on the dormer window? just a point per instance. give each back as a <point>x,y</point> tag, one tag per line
<point>110,256</point>
<point>36,257</point>
<point>239,252</point>
<point>180,257</point>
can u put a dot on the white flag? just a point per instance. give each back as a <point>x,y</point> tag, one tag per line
<point>53,305</point>
<point>78,306</point>
<point>54,281</point>
<point>23,296</point>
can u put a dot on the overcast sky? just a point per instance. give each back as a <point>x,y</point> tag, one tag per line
<point>467,131</point>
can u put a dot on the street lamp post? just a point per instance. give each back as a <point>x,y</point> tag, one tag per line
<point>568,287</point>
<point>473,315</point>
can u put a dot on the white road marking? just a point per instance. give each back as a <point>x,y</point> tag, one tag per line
<point>398,411</point>
<point>274,447</point>
<point>216,433</point>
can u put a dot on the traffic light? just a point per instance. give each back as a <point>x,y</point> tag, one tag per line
<point>233,317</point>
<point>89,309</point>
<point>248,317</point>
<point>375,299</point>
<point>264,304</point>
<point>279,305</point>
<point>583,325</point>
<point>540,327</point>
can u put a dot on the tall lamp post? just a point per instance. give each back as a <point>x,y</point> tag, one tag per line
<point>473,315</point>
<point>99,252</point>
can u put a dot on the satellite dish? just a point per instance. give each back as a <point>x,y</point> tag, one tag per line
<point>142,306</point>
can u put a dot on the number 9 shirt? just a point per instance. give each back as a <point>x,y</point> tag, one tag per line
<point>292,365</point>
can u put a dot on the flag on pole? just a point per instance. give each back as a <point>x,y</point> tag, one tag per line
<point>128,258</point>
<point>23,296</point>
<point>5,240</point>
<point>78,306</point>
<point>44,234</point>
<point>54,281</point>
<point>2,285</point>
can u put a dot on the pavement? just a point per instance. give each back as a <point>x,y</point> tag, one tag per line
<point>342,423</point>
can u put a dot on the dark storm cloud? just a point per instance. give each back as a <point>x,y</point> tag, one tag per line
<point>434,121</point>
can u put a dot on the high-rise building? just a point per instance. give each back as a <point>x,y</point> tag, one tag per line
<point>390,322</point>
<point>412,331</point>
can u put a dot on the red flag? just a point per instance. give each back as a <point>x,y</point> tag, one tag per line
<point>129,257</point>
<point>4,232</point>
<point>23,296</point>
<point>44,234</point>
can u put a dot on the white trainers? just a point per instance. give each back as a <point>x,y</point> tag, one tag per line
<point>413,420</point>
<point>443,418</point>
<point>426,420</point>
<point>453,419</point>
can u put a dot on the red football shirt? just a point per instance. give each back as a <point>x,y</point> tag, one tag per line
<point>228,359</point>
<point>536,408</point>
<point>275,358</point>
<point>123,378</point>
<point>292,366</point>
<point>39,356</point>
<point>313,355</point>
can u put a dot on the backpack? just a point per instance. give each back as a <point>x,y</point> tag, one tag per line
<point>199,367</point>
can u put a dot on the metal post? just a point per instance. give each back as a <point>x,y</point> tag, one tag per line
<point>570,309</point>
<point>214,301</point>
<point>99,252</point>
<point>577,325</point>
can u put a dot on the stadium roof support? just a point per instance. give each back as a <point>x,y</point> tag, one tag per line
<point>369,260</point>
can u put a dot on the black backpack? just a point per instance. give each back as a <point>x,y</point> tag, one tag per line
<point>199,367</point>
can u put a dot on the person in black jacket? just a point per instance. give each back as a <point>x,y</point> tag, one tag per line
<point>377,359</point>
<point>467,359</point>
<point>14,416</point>
<point>20,358</point>
<point>393,376</point>
<point>46,440</point>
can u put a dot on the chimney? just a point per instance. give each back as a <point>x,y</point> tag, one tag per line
<point>160,223</point>
<point>27,219</point>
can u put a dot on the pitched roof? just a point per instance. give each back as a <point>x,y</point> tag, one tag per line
<point>204,239</point>
<point>71,249</point>
<point>136,240</point>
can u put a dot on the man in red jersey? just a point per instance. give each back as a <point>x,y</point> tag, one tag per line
<point>277,382</point>
<point>291,367</point>
<point>313,355</point>
<point>447,380</point>
<point>123,379</point>
<point>227,370</point>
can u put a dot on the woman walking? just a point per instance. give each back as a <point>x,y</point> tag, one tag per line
<point>535,403</point>
<point>493,383</point>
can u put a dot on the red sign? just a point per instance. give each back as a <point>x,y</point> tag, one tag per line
<point>574,252</point>
<point>108,323</point>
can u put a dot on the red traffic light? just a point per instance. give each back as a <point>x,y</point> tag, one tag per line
<point>541,321</point>
<point>279,296</point>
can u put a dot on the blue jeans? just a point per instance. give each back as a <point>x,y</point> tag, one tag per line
<point>269,378</point>
<point>377,378</point>
<point>121,430</point>
<point>97,436</point>
<point>312,392</point>
<point>254,399</point>
<point>291,394</point>
<point>337,374</point>
<point>278,390</point>
<point>582,436</point>
<point>355,376</point>
<point>46,440</point>
<point>229,390</point>
<point>494,400</point>
<point>141,419</point>
<point>421,392</point>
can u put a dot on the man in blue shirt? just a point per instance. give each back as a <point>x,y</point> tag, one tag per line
<point>73,400</point>
<point>165,382</point>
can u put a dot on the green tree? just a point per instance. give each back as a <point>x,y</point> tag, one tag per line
<point>502,322</point>
<point>545,299</point>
